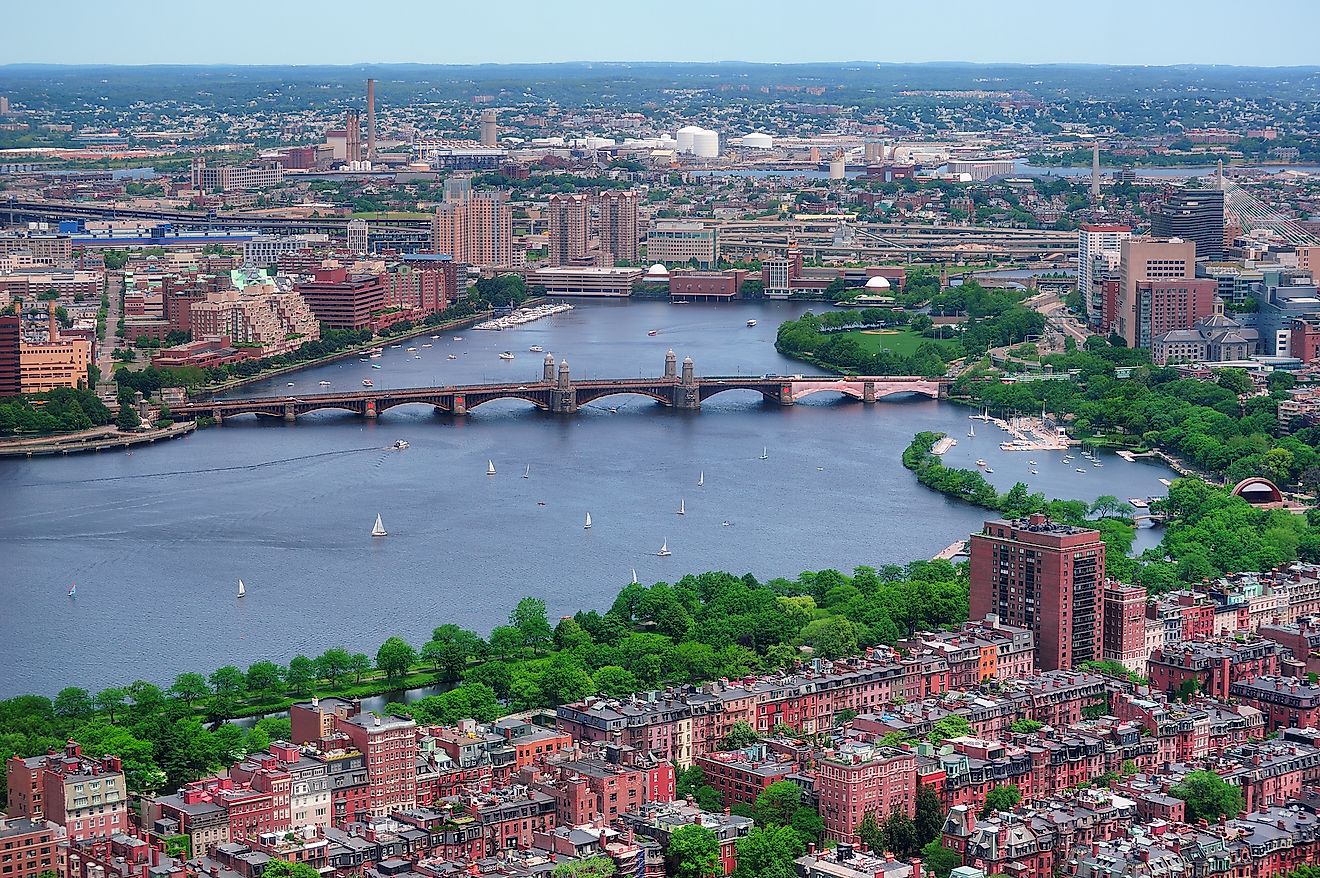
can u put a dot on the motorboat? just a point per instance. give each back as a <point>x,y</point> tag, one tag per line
<point>375,365</point>
<point>452,357</point>
<point>458,338</point>
<point>989,470</point>
<point>536,349</point>
<point>980,463</point>
<point>1080,470</point>
<point>366,382</point>
<point>323,383</point>
<point>506,355</point>
<point>653,332</point>
<point>1035,472</point>
<point>290,384</point>
<point>426,344</point>
<point>751,322</point>
<point>411,350</point>
<point>400,443</point>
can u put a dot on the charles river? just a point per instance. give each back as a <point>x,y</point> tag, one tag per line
<point>157,540</point>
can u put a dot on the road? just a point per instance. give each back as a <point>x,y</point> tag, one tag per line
<point>1057,317</point>
<point>114,281</point>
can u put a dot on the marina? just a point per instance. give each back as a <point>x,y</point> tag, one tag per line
<point>523,316</point>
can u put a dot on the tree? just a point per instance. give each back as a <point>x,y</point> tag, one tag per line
<point>901,834</point>
<point>395,656</point>
<point>358,664</point>
<point>73,703</point>
<point>1208,796</point>
<point>228,681</point>
<point>128,417</point>
<point>872,833</point>
<point>1107,506</point>
<point>693,852</point>
<point>808,824</point>
<point>615,681</point>
<point>939,860</point>
<point>189,687</point>
<point>1026,726</point>
<point>302,674</point>
<point>777,803</point>
<point>768,852</point>
<point>506,640</point>
<point>951,726</point>
<point>110,700</point>
<point>833,637</point>
<point>1004,797</point>
<point>264,677</point>
<point>592,867</point>
<point>929,821</point>
<point>529,618</point>
<point>740,735</point>
<point>277,868</point>
<point>333,664</point>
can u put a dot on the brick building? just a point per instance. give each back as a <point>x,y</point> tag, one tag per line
<point>860,779</point>
<point>87,796</point>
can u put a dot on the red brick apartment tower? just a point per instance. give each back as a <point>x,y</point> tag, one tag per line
<point>1044,576</point>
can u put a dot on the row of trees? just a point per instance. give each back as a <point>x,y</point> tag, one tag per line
<point>820,339</point>
<point>57,411</point>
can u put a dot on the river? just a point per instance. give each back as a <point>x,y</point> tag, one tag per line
<point>157,539</point>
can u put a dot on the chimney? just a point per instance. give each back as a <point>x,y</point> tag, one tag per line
<point>916,867</point>
<point>371,120</point>
<point>52,323</point>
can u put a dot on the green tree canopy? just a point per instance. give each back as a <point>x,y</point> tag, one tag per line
<point>1207,796</point>
<point>693,852</point>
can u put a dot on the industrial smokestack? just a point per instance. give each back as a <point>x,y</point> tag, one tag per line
<point>353,138</point>
<point>1095,170</point>
<point>54,327</point>
<point>371,120</point>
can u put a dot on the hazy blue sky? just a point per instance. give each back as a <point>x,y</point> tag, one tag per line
<point>507,31</point>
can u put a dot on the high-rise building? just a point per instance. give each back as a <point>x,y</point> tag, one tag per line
<point>1194,215</point>
<point>357,236</point>
<point>390,746</point>
<point>1098,247</point>
<point>682,242</point>
<point>344,301</point>
<point>490,129</point>
<point>568,228</point>
<point>1049,577</point>
<point>476,229</point>
<point>11,339</point>
<point>618,225</point>
<point>1124,639</point>
<point>1143,260</point>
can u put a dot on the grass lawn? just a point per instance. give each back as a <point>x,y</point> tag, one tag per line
<point>901,341</point>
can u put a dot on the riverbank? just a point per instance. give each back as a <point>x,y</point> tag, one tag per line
<point>102,439</point>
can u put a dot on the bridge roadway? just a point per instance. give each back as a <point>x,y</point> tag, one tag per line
<point>557,392</point>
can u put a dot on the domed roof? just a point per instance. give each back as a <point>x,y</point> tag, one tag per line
<point>657,270</point>
<point>877,283</point>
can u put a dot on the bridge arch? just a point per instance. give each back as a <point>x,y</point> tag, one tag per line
<point>384,405</point>
<point>474,400</point>
<point>709,390</point>
<point>846,390</point>
<point>586,396</point>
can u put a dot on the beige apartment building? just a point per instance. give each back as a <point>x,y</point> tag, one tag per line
<point>1142,260</point>
<point>679,242</point>
<point>476,228</point>
<point>261,314</point>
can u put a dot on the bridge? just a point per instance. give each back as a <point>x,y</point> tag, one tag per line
<point>558,392</point>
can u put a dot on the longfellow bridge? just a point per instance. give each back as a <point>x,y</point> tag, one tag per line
<point>558,392</point>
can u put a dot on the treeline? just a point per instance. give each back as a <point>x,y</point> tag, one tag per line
<point>701,628</point>
<point>1214,425</point>
<point>1209,532</point>
<point>809,338</point>
<point>62,410</point>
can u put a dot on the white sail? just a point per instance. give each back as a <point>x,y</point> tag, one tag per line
<point>634,571</point>
<point>664,548</point>
<point>587,524</point>
<point>528,474</point>
<point>490,467</point>
<point>765,454</point>
<point>682,510</point>
<point>971,431</point>
<point>379,529</point>
<point>242,590</point>
<point>701,479</point>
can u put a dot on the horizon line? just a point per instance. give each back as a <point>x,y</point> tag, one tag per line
<point>93,65</point>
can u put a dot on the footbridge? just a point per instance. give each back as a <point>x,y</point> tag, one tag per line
<point>557,391</point>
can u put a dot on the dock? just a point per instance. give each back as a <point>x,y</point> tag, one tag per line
<point>951,551</point>
<point>943,445</point>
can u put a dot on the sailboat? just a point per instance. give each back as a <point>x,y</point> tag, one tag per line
<point>73,590</point>
<point>634,571</point>
<point>664,550</point>
<point>242,589</point>
<point>587,524</point>
<point>971,431</point>
<point>681,509</point>
<point>765,454</point>
<point>701,479</point>
<point>490,467</point>
<point>528,474</point>
<point>379,529</point>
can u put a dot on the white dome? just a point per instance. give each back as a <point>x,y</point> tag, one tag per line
<point>758,140</point>
<point>877,283</point>
<point>657,270</point>
<point>706,144</point>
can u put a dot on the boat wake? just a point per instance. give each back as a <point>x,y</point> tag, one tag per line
<point>217,469</point>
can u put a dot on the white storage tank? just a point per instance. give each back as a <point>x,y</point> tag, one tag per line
<point>758,140</point>
<point>706,144</point>
<point>685,137</point>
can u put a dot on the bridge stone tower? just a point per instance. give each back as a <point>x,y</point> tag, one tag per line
<point>687,392</point>
<point>563,398</point>
<point>671,365</point>
<point>548,369</point>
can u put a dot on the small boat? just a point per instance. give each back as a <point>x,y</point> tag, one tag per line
<point>536,349</point>
<point>73,590</point>
<point>410,350</point>
<point>681,509</point>
<point>1031,463</point>
<point>751,322</point>
<point>980,463</point>
<point>587,524</point>
<point>458,338</point>
<point>971,431</point>
<point>324,383</point>
<point>1080,470</point>
<point>376,356</point>
<point>452,357</point>
<point>989,470</point>
<point>701,479</point>
<point>434,337</point>
<point>652,332</point>
<point>1097,463</point>
<point>634,572</point>
<point>396,345</point>
<point>490,467</point>
<point>417,356</point>
<point>726,524</point>
<point>290,384</point>
<point>765,454</point>
<point>507,355</point>
<point>379,529</point>
<point>664,550</point>
<point>400,444</point>
<point>1035,473</point>
<point>540,502</point>
<point>528,474</point>
<point>375,365</point>
<point>242,589</point>
<point>366,382</point>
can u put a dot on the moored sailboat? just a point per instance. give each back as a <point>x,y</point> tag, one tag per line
<point>379,529</point>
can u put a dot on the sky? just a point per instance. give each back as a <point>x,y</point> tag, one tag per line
<point>1143,32</point>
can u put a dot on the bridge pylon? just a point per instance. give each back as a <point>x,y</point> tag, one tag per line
<point>687,392</point>
<point>290,414</point>
<point>868,391</point>
<point>563,399</point>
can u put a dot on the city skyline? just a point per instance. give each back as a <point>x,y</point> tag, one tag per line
<point>1128,33</point>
